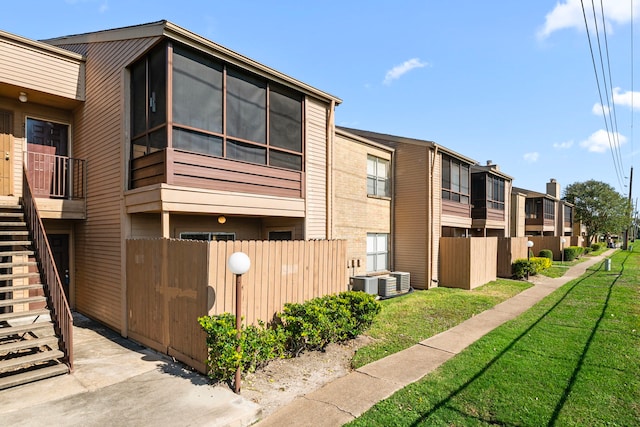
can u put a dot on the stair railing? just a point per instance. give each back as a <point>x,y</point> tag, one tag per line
<point>62,318</point>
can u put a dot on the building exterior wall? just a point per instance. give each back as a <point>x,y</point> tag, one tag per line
<point>35,66</point>
<point>412,205</point>
<point>517,214</point>
<point>316,169</point>
<point>354,212</point>
<point>101,136</point>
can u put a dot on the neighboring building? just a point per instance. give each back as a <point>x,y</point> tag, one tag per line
<point>545,214</point>
<point>432,198</point>
<point>491,201</point>
<point>362,199</point>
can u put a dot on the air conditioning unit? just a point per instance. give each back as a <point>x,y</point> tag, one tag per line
<point>403,281</point>
<point>387,286</point>
<point>365,284</point>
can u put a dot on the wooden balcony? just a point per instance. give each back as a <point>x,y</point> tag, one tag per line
<point>172,180</point>
<point>58,185</point>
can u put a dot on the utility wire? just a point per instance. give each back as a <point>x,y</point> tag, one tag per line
<point>616,134</point>
<point>595,70</point>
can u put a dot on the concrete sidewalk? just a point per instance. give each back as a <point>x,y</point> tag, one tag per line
<point>120,383</point>
<point>347,398</point>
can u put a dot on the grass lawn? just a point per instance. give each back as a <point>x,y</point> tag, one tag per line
<point>571,360</point>
<point>409,319</point>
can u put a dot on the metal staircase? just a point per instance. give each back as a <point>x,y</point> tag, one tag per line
<point>30,345</point>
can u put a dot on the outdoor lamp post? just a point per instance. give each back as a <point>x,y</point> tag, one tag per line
<point>529,246</point>
<point>239,263</point>
<point>562,242</point>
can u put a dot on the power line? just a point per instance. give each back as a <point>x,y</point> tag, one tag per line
<point>595,70</point>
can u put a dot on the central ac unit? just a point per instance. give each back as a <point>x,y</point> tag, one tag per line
<point>365,284</point>
<point>403,281</point>
<point>387,286</point>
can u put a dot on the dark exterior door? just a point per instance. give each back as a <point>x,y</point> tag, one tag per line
<point>59,244</point>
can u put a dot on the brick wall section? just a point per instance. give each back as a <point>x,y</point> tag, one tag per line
<point>354,213</point>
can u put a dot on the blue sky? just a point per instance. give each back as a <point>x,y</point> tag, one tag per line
<point>508,81</point>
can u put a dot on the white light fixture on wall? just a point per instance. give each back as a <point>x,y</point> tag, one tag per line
<point>23,97</point>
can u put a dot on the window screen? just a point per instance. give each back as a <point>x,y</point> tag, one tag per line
<point>246,107</point>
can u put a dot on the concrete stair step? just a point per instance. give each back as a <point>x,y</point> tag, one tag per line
<point>49,341</point>
<point>16,301</point>
<point>33,375</point>
<point>9,214</point>
<point>17,288</point>
<point>32,359</point>
<point>6,317</point>
<point>40,327</point>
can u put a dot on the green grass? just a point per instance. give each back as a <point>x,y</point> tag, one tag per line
<point>407,320</point>
<point>571,360</point>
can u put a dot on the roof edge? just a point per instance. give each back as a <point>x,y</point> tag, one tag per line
<point>48,48</point>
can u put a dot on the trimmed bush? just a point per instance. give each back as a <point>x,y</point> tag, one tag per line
<point>540,264</point>
<point>598,246</point>
<point>521,267</point>
<point>308,326</point>
<point>546,253</point>
<point>323,320</point>
<point>573,252</point>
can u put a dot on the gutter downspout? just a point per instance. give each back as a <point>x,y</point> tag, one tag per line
<point>392,226</point>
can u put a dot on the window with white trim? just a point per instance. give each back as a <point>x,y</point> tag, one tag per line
<point>378,177</point>
<point>377,252</point>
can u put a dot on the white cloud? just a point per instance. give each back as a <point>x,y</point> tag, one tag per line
<point>531,157</point>
<point>626,98</point>
<point>600,110</point>
<point>563,145</point>
<point>568,14</point>
<point>104,7</point>
<point>399,70</point>
<point>600,141</point>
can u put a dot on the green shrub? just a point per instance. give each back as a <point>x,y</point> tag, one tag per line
<point>598,246</point>
<point>546,253</point>
<point>540,264</point>
<point>308,326</point>
<point>521,267</point>
<point>588,249</point>
<point>573,252</point>
<point>323,320</point>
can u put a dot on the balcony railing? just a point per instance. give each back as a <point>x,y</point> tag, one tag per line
<point>53,176</point>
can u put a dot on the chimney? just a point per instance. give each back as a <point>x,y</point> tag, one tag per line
<point>489,162</point>
<point>553,188</point>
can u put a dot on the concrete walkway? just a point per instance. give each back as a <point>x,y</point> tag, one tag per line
<point>118,382</point>
<point>349,397</point>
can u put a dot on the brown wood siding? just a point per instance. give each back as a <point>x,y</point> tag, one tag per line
<point>411,234</point>
<point>456,209</point>
<point>316,169</point>
<point>212,173</point>
<point>33,68</point>
<point>99,137</point>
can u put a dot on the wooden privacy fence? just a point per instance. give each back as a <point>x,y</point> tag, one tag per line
<point>554,243</point>
<point>509,250</point>
<point>170,283</point>
<point>467,262</point>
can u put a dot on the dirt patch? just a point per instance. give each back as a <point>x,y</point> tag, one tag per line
<point>281,381</point>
